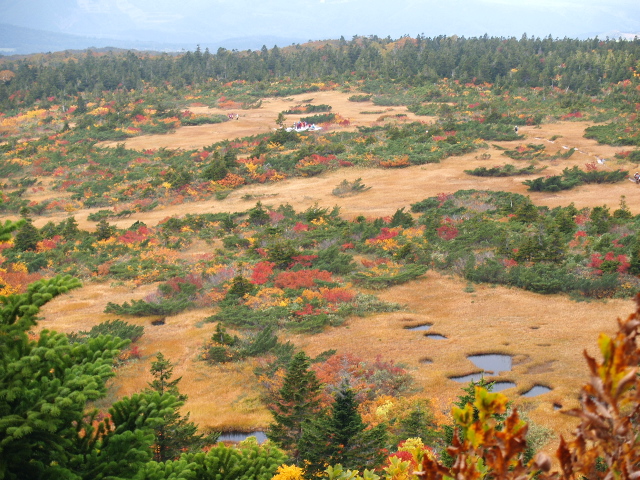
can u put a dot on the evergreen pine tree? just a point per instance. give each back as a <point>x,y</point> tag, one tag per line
<point>263,342</point>
<point>175,434</point>
<point>162,371</point>
<point>599,221</point>
<point>239,287</point>
<point>8,227</point>
<point>230,158</point>
<point>402,219</point>
<point>296,401</point>
<point>258,215</point>
<point>623,212</point>
<point>27,237</point>
<point>216,170</point>
<point>70,230</point>
<point>222,337</point>
<point>81,106</point>
<point>45,385</point>
<point>342,437</point>
<point>104,231</point>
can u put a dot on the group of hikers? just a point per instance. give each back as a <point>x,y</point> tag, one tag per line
<point>233,115</point>
<point>302,126</point>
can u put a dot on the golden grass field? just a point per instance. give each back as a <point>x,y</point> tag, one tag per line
<point>546,335</point>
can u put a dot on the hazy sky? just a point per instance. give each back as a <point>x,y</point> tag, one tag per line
<point>202,21</point>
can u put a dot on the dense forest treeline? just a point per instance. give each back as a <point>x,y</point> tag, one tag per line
<point>578,65</point>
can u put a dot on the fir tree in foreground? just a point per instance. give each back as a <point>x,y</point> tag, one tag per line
<point>297,401</point>
<point>175,434</point>
<point>341,437</point>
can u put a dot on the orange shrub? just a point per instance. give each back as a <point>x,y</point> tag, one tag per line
<point>231,181</point>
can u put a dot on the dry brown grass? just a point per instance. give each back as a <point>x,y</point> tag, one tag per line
<point>545,334</point>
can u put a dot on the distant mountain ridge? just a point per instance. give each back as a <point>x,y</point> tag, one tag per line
<point>15,40</point>
<point>24,41</point>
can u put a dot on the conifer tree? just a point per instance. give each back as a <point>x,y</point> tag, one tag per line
<point>342,437</point>
<point>230,158</point>
<point>258,215</point>
<point>239,287</point>
<point>297,401</point>
<point>8,227</point>
<point>45,385</point>
<point>81,106</point>
<point>162,371</point>
<point>27,237</point>
<point>70,230</point>
<point>104,231</point>
<point>216,170</point>
<point>174,434</point>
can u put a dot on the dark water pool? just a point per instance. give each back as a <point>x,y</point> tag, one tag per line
<point>536,390</point>
<point>424,326</point>
<point>435,336</point>
<point>499,386</point>
<point>467,378</point>
<point>492,363</point>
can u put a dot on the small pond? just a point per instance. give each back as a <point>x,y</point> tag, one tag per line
<point>435,336</point>
<point>468,378</point>
<point>424,326</point>
<point>536,390</point>
<point>499,386</point>
<point>492,363</point>
<point>240,436</point>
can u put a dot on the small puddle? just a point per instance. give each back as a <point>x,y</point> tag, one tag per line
<point>499,386</point>
<point>536,390</point>
<point>492,363</point>
<point>240,436</point>
<point>435,336</point>
<point>426,361</point>
<point>557,406</point>
<point>424,326</point>
<point>468,378</point>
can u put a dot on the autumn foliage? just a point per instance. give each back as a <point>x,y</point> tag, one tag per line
<point>301,278</point>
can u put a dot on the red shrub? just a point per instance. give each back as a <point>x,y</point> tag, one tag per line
<point>385,234</point>
<point>300,227</point>
<point>301,278</point>
<point>447,231</point>
<point>261,272</point>
<point>303,260</point>
<point>338,295</point>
